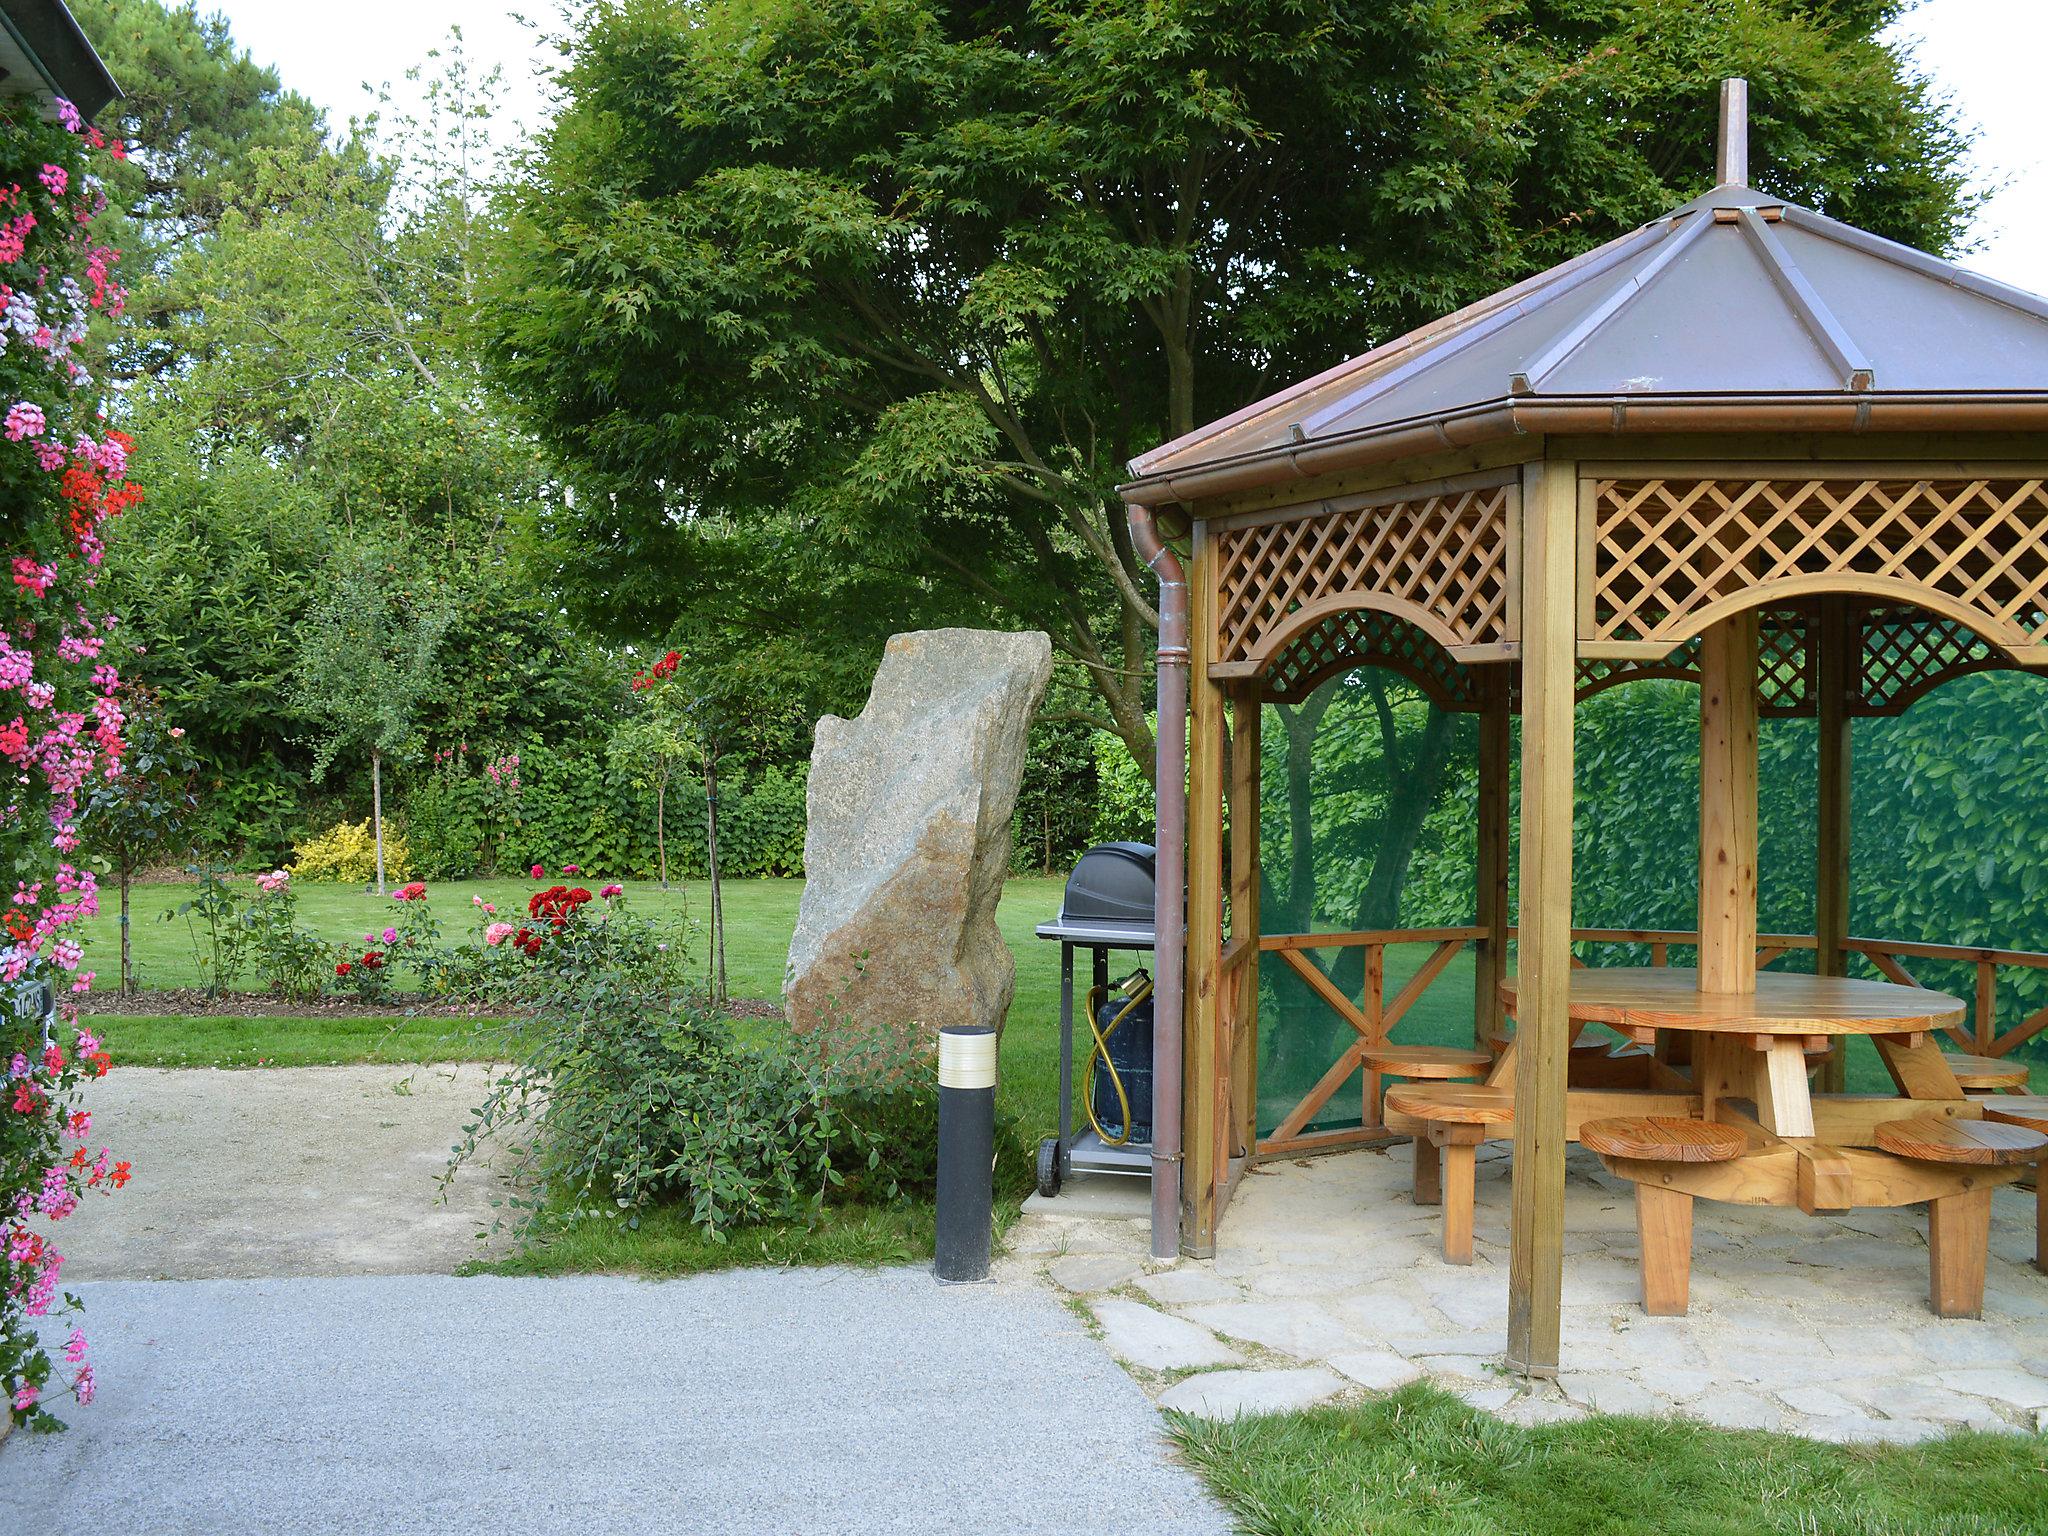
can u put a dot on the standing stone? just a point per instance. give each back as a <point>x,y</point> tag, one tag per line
<point>908,839</point>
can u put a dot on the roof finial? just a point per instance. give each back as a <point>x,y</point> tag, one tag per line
<point>1731,166</point>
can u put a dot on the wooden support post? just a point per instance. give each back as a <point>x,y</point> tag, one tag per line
<point>1490,957</point>
<point>1200,1177</point>
<point>1664,1230</point>
<point>1373,1004</point>
<point>1835,670</point>
<point>1958,1242</point>
<point>1244,911</point>
<point>1727,805</point>
<point>1549,615</point>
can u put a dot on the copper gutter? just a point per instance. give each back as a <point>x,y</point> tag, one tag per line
<point>1169,885</point>
<point>1593,415</point>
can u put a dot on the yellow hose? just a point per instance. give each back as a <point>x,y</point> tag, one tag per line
<point>1098,1056</point>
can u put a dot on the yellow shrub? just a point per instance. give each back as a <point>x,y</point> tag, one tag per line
<point>347,853</point>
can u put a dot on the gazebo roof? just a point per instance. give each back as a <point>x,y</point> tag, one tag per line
<point>1736,311</point>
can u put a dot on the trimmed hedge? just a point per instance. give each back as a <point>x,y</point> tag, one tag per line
<point>574,806</point>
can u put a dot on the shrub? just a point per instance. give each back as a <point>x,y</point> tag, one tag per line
<point>634,1092</point>
<point>347,853</point>
<point>288,959</point>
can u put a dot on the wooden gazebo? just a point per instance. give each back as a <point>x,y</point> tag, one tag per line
<point>1745,444</point>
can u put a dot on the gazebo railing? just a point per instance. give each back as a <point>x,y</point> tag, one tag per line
<point>1373,1017</point>
<point>1374,1014</point>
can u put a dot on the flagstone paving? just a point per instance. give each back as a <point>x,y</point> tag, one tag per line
<point>1329,1282</point>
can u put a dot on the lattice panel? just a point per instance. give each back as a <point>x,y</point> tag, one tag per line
<point>1365,637</point>
<point>1905,653</point>
<point>1446,554</point>
<point>1784,673</point>
<point>1667,548</point>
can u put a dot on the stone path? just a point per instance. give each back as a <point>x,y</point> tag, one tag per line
<point>1329,1280</point>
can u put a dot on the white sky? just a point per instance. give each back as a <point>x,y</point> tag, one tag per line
<point>1985,54</point>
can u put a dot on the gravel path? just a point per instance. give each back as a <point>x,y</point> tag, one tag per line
<point>812,1401</point>
<point>281,1171</point>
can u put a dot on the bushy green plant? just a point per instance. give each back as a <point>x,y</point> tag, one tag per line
<point>635,1092</point>
<point>287,959</point>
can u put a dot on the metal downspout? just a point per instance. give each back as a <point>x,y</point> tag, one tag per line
<point>1169,911</point>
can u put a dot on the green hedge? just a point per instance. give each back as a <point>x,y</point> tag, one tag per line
<point>1949,841</point>
<point>576,807</point>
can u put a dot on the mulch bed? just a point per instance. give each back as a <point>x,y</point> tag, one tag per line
<point>196,1002</point>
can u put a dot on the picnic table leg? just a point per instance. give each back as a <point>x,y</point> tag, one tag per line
<point>1958,1241</point>
<point>2041,1213</point>
<point>1429,1186</point>
<point>1664,1227</point>
<point>1460,1144</point>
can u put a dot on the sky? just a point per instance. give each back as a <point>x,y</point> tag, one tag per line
<point>1983,54</point>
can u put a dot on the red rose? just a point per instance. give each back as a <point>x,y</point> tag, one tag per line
<point>342,968</point>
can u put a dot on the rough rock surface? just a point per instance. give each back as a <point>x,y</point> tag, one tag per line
<point>909,837</point>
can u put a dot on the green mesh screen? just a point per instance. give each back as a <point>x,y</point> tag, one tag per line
<point>1355,836</point>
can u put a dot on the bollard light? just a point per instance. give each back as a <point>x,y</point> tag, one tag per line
<point>967,1149</point>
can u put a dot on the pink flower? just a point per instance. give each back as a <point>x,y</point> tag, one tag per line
<point>74,1347</point>
<point>56,178</point>
<point>25,1396</point>
<point>390,935</point>
<point>498,933</point>
<point>24,419</point>
<point>83,1387</point>
<point>538,872</point>
<point>571,869</point>
<point>612,890</point>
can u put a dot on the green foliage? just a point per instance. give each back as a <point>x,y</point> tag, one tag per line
<point>1124,803</point>
<point>368,654</point>
<point>141,815</point>
<point>290,962</point>
<point>637,1096</point>
<point>347,852</point>
<point>213,926</point>
<point>881,296</point>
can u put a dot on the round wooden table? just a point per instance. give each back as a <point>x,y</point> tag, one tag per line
<point>1656,997</point>
<point>1753,1044</point>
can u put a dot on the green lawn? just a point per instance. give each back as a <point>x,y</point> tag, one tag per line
<point>1420,1462</point>
<point>760,914</point>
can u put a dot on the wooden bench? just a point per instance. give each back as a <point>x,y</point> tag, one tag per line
<point>1433,1062</point>
<point>1987,1074</point>
<point>1959,1225</point>
<point>2032,1114</point>
<point>1663,1215</point>
<point>1454,1119</point>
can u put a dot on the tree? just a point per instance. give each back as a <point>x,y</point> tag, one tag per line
<point>367,659</point>
<point>137,816</point>
<point>900,287</point>
<point>195,112</point>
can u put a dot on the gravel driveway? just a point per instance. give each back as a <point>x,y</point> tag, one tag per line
<point>281,1348</point>
<point>764,1401</point>
<point>282,1171</point>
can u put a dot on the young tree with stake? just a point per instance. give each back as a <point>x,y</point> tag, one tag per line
<point>368,656</point>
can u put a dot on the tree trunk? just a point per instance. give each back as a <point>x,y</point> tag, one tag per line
<point>718,985</point>
<point>127,963</point>
<point>661,825</point>
<point>377,810</point>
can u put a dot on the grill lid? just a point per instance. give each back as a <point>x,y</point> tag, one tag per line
<point>1108,897</point>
